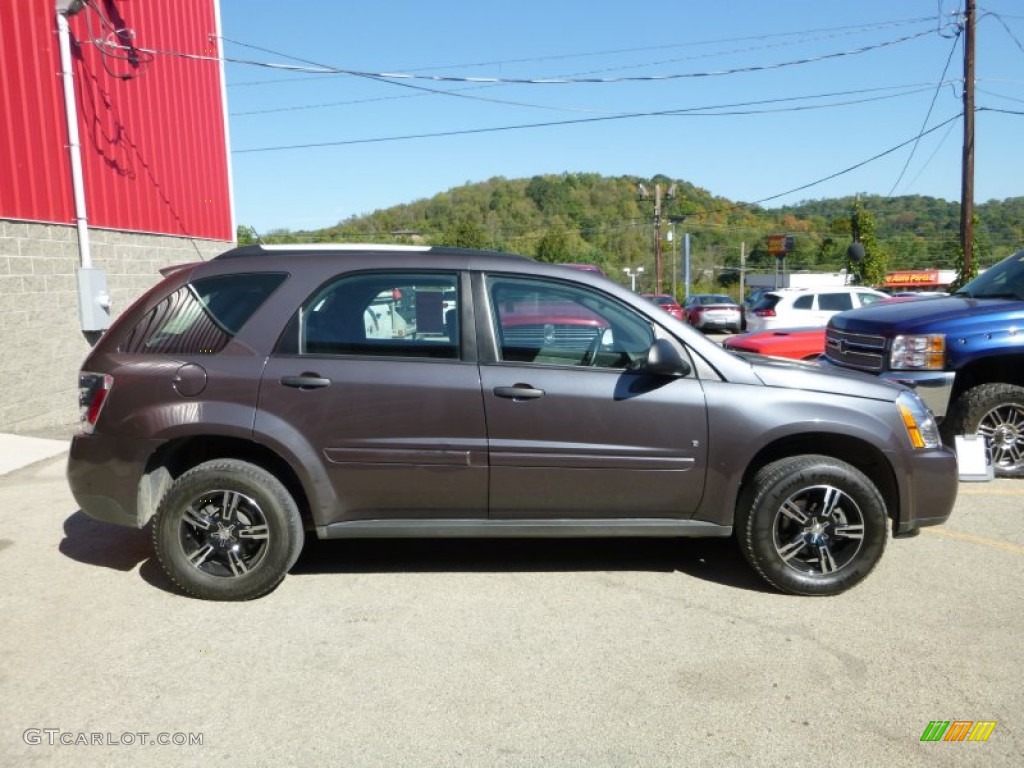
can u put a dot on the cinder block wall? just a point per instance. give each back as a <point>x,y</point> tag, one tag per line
<point>43,345</point>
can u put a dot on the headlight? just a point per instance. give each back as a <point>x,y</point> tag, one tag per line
<point>924,353</point>
<point>918,420</point>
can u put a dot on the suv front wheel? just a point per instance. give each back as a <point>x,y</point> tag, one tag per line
<point>812,525</point>
<point>227,530</point>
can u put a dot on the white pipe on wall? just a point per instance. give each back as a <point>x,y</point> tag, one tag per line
<point>74,144</point>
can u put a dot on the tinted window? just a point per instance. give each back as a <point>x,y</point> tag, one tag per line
<point>767,301</point>
<point>383,314</point>
<point>867,298</point>
<point>804,302</point>
<point>557,324</point>
<point>1004,280</point>
<point>835,302</point>
<point>201,317</point>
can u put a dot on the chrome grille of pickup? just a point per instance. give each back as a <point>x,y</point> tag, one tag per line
<point>856,350</point>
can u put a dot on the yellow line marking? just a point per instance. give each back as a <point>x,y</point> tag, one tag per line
<point>970,537</point>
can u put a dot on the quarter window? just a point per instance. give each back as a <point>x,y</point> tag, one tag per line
<point>201,317</point>
<point>383,314</point>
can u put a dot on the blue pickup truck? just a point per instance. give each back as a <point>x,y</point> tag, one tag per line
<point>963,354</point>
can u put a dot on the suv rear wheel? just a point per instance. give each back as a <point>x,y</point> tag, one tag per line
<point>812,525</point>
<point>227,530</point>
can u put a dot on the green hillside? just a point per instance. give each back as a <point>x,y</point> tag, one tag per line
<point>583,217</point>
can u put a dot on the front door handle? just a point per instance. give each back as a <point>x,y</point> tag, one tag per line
<point>306,381</point>
<point>519,392</point>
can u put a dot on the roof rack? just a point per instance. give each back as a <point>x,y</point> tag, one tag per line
<point>258,249</point>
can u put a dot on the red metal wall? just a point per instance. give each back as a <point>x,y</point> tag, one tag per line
<point>152,127</point>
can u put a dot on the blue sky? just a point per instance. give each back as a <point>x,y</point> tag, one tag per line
<point>812,87</point>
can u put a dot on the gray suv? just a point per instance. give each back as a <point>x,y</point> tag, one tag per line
<point>277,393</point>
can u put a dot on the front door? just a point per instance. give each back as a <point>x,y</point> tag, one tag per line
<point>573,433</point>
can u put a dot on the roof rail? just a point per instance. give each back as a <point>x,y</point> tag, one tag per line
<point>258,249</point>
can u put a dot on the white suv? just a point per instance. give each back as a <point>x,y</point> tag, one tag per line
<point>806,307</point>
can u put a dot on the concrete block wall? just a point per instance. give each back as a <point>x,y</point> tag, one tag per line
<point>43,345</point>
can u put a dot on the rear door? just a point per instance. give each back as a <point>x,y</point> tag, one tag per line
<point>572,432</point>
<point>371,376</point>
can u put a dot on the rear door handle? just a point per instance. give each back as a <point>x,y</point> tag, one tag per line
<point>519,392</point>
<point>305,381</point>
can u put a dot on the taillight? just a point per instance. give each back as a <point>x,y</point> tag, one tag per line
<point>764,312</point>
<point>93,389</point>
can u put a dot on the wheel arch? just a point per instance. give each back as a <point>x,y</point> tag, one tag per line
<point>177,456</point>
<point>997,369</point>
<point>854,451</point>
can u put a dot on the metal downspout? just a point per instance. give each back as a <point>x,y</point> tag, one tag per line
<point>74,143</point>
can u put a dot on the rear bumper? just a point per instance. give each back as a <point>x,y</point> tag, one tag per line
<point>104,473</point>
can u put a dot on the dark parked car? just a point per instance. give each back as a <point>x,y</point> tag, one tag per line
<point>711,310</point>
<point>275,393</point>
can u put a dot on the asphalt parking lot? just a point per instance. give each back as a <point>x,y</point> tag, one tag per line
<point>518,653</point>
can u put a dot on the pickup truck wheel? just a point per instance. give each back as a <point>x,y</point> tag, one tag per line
<point>997,412</point>
<point>227,530</point>
<point>812,525</point>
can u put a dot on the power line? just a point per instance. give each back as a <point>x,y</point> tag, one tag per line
<point>845,170</point>
<point>390,76</point>
<point>928,115</point>
<point>801,34</point>
<point>908,89</point>
<point>722,110</point>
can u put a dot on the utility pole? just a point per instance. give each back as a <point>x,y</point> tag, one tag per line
<point>670,192</point>
<point>967,171</point>
<point>743,269</point>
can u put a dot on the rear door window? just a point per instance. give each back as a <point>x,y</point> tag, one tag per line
<point>386,314</point>
<point>835,302</point>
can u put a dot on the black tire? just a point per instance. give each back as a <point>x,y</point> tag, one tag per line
<point>811,525</point>
<point>227,530</point>
<point>997,412</point>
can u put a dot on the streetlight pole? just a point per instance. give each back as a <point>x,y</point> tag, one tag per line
<point>632,275</point>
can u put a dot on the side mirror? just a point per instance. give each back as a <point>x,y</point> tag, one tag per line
<point>663,359</point>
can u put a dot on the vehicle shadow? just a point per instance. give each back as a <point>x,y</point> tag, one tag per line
<point>104,545</point>
<point>108,546</point>
<point>715,560</point>
<point>718,561</point>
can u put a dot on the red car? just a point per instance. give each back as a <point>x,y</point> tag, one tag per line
<point>666,302</point>
<point>797,343</point>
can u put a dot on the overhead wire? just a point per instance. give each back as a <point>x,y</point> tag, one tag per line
<point>705,111</point>
<point>931,106</point>
<point>802,36</point>
<point>320,69</point>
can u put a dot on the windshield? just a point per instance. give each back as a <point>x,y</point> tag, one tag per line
<point>1005,280</point>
